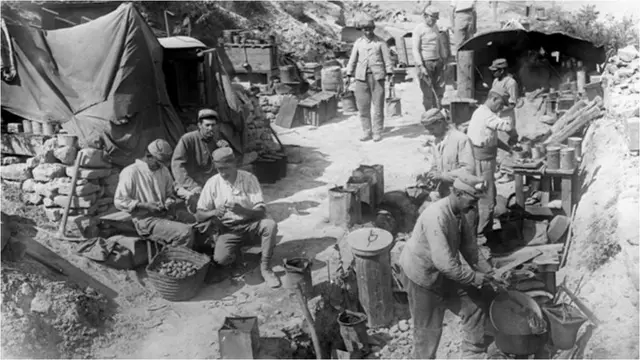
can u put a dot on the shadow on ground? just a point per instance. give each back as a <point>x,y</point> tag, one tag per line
<point>280,211</point>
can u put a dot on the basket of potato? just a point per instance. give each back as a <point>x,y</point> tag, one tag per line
<point>177,273</point>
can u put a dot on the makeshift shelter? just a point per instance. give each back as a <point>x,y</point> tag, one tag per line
<point>101,79</point>
<point>522,49</point>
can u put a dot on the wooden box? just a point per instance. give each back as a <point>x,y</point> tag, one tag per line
<point>330,101</point>
<point>313,113</point>
<point>312,71</point>
<point>261,57</point>
<point>239,338</point>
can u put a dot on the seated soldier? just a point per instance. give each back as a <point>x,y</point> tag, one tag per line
<point>232,202</point>
<point>191,162</point>
<point>145,190</point>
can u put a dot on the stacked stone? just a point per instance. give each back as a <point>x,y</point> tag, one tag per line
<point>270,106</point>
<point>623,72</point>
<point>258,136</point>
<point>46,181</point>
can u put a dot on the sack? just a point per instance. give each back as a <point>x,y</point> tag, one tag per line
<point>109,253</point>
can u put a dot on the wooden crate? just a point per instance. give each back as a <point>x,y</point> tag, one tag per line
<point>261,57</point>
<point>329,100</point>
<point>312,71</point>
<point>239,338</point>
<point>313,112</point>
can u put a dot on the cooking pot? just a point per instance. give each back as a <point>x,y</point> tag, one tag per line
<point>521,328</point>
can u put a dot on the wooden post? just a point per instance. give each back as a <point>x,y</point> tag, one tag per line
<point>465,72</point>
<point>494,6</point>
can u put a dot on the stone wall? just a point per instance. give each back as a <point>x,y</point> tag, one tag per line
<point>46,180</point>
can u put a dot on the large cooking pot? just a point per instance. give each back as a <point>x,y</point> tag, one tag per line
<point>521,327</point>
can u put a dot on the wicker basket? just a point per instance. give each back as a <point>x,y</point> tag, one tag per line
<point>174,289</point>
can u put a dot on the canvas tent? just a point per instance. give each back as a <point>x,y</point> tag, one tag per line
<point>101,79</point>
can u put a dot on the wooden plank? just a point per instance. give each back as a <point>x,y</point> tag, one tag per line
<point>54,261</point>
<point>536,210</point>
<point>287,112</point>
<point>548,251</point>
<point>517,261</point>
<point>567,195</point>
<point>22,144</point>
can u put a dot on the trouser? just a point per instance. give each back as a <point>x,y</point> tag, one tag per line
<point>164,231</point>
<point>427,307</point>
<point>231,238</point>
<point>486,204</point>
<point>435,70</point>
<point>370,94</point>
<point>464,27</point>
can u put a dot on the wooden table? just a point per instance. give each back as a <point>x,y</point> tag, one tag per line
<point>569,185</point>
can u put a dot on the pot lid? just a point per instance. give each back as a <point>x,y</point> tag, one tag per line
<point>369,241</point>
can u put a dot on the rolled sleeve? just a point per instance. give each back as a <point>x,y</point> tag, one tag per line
<point>206,202</point>
<point>124,199</point>
<point>254,191</point>
<point>494,122</point>
<point>443,257</point>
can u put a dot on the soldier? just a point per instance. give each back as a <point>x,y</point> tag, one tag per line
<point>463,20</point>
<point>429,59</point>
<point>370,62</point>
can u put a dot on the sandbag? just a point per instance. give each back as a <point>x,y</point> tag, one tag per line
<point>93,159</point>
<point>16,172</point>
<point>48,172</point>
<point>77,201</point>
<point>66,154</point>
<point>90,174</point>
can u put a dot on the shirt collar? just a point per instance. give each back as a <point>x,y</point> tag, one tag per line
<point>450,208</point>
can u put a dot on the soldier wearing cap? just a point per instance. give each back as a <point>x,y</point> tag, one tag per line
<point>231,203</point>
<point>483,133</point>
<point>453,153</point>
<point>191,163</point>
<point>429,58</point>
<point>502,78</point>
<point>145,190</point>
<point>434,277</point>
<point>370,63</point>
<point>463,20</point>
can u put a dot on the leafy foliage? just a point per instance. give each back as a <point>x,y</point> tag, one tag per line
<point>610,32</point>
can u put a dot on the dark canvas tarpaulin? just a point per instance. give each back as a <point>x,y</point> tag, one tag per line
<point>99,79</point>
<point>513,43</point>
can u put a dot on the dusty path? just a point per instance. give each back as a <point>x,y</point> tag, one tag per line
<point>155,328</point>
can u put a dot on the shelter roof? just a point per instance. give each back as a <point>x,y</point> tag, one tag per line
<point>181,42</point>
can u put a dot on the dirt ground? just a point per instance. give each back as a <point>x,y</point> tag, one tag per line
<point>146,326</point>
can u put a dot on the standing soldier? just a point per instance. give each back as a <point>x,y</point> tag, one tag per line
<point>370,61</point>
<point>483,133</point>
<point>503,79</point>
<point>429,59</point>
<point>463,21</point>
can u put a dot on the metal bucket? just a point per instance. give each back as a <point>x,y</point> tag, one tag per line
<point>348,102</point>
<point>553,157</point>
<point>353,329</point>
<point>394,107</point>
<point>564,323</point>
<point>48,129</point>
<point>298,271</point>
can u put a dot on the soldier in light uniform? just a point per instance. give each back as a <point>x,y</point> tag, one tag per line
<point>429,58</point>
<point>370,63</point>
